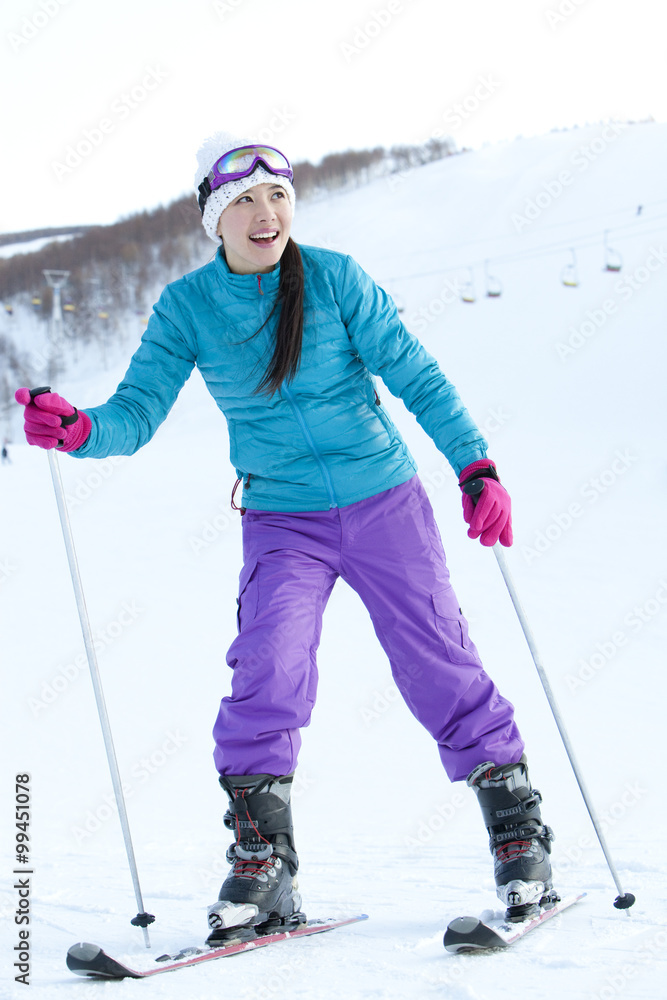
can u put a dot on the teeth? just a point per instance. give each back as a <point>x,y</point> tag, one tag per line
<point>264,236</point>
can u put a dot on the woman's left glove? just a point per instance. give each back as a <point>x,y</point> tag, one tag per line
<point>490,513</point>
<point>52,422</point>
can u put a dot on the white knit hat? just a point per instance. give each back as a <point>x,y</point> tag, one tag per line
<point>210,151</point>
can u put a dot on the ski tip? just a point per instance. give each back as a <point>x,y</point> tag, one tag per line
<point>90,960</point>
<point>82,957</point>
<point>468,934</point>
<point>463,925</point>
<point>482,934</point>
<point>84,952</point>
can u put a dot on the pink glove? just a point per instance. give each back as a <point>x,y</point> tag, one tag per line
<point>52,422</point>
<point>489,514</point>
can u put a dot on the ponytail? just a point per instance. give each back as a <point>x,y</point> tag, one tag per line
<point>289,335</point>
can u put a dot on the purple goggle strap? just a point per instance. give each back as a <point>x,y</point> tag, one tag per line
<point>215,179</point>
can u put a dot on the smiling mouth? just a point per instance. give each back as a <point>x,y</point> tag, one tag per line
<point>265,239</point>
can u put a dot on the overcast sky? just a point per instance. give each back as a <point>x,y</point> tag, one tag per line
<point>105,103</point>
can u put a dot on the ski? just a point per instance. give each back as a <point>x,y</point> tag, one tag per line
<point>476,934</point>
<point>93,962</point>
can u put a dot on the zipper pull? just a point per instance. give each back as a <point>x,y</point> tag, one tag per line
<point>259,284</point>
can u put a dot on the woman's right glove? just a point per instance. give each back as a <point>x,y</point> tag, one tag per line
<point>52,422</point>
<point>490,514</point>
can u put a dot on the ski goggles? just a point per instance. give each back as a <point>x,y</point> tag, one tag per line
<point>241,162</point>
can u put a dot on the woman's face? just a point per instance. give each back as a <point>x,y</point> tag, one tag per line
<point>255,228</point>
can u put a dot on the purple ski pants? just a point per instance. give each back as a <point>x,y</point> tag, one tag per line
<point>388,549</point>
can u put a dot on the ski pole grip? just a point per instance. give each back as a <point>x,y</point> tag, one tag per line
<point>64,421</point>
<point>474,489</point>
<point>25,396</point>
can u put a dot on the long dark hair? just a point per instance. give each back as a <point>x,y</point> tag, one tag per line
<point>286,359</point>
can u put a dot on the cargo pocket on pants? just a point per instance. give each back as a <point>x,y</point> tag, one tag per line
<point>452,628</point>
<point>248,595</point>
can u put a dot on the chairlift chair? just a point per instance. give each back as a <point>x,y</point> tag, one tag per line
<point>494,288</point>
<point>468,290</point>
<point>569,275</point>
<point>612,258</point>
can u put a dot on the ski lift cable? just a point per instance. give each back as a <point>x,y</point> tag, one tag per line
<point>552,249</point>
<point>634,226</point>
<point>583,242</point>
<point>564,244</point>
<point>559,225</point>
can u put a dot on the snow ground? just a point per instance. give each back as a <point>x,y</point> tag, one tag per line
<point>579,441</point>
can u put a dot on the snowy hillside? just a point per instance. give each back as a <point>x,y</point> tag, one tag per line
<point>30,246</point>
<point>568,383</point>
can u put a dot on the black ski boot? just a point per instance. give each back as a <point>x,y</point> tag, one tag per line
<point>519,841</point>
<point>259,895</point>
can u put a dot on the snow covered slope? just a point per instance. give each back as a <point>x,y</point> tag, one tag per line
<point>568,383</point>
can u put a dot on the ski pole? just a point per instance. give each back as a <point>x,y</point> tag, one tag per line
<point>624,899</point>
<point>142,918</point>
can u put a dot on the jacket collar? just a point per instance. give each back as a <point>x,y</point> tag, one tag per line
<point>247,285</point>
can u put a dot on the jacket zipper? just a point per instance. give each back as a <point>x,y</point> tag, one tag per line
<point>311,444</point>
<point>306,430</point>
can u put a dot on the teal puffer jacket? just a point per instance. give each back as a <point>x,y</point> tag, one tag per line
<point>322,441</point>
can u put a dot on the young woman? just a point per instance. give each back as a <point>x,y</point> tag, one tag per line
<point>288,339</point>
